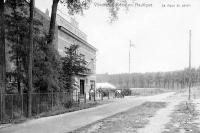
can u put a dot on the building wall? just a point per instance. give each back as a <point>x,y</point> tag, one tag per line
<point>69,34</point>
<point>65,39</point>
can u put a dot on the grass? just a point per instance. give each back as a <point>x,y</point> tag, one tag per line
<point>128,121</point>
<point>147,91</point>
<point>57,110</point>
<point>182,119</point>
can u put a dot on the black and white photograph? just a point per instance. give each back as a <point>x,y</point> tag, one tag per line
<point>99,66</point>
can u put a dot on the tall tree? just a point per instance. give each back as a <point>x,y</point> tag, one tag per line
<point>53,21</point>
<point>2,56</point>
<point>16,34</point>
<point>77,6</point>
<point>73,64</point>
<point>30,60</point>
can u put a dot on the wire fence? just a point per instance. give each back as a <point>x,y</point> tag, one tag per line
<point>15,105</point>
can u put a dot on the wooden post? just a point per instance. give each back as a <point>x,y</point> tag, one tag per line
<point>22,103</point>
<point>12,104</point>
<point>190,34</point>
<point>30,58</point>
<point>2,58</point>
<point>85,97</point>
<point>52,99</point>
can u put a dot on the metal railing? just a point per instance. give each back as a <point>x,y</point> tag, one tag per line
<point>15,105</point>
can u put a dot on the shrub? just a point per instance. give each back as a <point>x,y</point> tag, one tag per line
<point>68,104</point>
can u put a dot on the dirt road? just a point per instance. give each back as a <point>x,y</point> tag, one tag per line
<point>157,123</point>
<point>71,121</point>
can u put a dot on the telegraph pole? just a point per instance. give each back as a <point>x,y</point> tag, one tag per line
<point>130,45</point>
<point>190,42</point>
<point>129,69</point>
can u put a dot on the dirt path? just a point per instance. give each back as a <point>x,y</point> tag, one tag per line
<point>71,121</point>
<point>157,123</point>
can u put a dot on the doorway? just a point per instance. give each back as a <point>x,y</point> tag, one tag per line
<point>82,86</point>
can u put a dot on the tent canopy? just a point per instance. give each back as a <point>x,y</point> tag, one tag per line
<point>105,86</point>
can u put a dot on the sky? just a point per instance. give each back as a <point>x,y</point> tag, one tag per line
<point>160,35</point>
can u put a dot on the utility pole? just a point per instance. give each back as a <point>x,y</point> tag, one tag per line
<point>129,69</point>
<point>130,45</point>
<point>2,60</point>
<point>190,41</point>
<point>30,58</point>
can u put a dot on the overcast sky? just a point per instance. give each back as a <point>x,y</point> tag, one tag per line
<point>160,35</point>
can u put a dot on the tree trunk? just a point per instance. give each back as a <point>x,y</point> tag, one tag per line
<point>53,22</point>
<point>18,72</point>
<point>30,67</point>
<point>2,59</point>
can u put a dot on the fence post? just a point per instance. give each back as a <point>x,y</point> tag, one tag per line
<point>108,95</point>
<point>76,96</point>
<point>94,95</point>
<point>1,119</point>
<point>51,99</point>
<point>85,97</point>
<point>22,99</point>
<point>12,105</point>
<point>2,112</point>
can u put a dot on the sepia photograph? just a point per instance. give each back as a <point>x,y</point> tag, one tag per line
<point>99,66</point>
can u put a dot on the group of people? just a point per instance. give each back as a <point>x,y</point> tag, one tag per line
<point>117,94</point>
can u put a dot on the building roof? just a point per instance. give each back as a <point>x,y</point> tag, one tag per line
<point>68,30</point>
<point>76,37</point>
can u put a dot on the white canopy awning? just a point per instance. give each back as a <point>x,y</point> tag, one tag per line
<point>105,86</point>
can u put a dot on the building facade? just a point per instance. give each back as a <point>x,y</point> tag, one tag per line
<point>68,33</point>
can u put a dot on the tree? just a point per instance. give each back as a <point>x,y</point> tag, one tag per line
<point>53,21</point>
<point>16,40</point>
<point>170,80</point>
<point>73,64</point>
<point>30,58</point>
<point>75,7</point>
<point>2,56</point>
<point>45,66</point>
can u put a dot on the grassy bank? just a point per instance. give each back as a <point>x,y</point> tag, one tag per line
<point>183,119</point>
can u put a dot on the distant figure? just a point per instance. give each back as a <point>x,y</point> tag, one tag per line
<point>91,94</point>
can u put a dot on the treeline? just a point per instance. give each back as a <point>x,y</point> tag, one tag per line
<point>168,80</point>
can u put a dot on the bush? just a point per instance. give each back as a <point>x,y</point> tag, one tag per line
<point>68,104</point>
